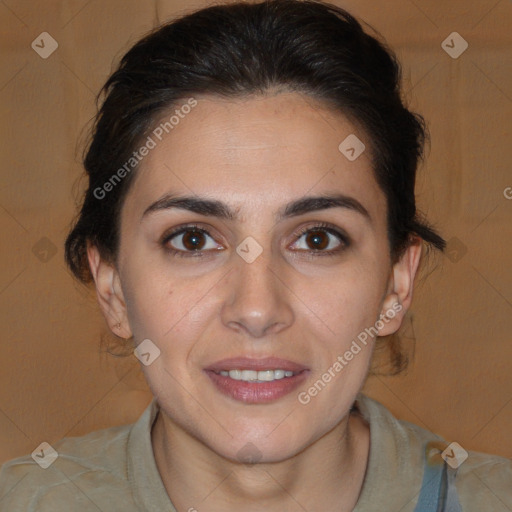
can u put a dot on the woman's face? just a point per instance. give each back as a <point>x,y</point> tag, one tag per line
<point>282,276</point>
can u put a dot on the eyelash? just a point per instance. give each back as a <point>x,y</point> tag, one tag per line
<point>321,226</point>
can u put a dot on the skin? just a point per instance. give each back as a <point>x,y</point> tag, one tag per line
<point>256,155</point>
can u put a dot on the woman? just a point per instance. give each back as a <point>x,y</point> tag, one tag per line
<point>250,227</point>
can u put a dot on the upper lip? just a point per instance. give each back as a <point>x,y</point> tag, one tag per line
<point>247,363</point>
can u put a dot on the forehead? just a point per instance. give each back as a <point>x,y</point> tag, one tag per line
<point>260,151</point>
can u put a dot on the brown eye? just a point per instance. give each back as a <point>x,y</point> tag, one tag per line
<point>189,240</point>
<point>193,240</point>
<point>321,240</point>
<point>317,239</point>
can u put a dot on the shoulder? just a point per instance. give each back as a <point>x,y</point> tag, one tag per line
<point>482,481</point>
<point>72,471</point>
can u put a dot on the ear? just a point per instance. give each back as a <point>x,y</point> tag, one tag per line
<point>109,293</point>
<point>400,289</point>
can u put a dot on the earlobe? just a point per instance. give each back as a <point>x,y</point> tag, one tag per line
<point>400,289</point>
<point>109,293</point>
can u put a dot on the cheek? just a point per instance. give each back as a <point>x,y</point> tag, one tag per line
<point>151,300</point>
<point>166,308</point>
<point>345,303</point>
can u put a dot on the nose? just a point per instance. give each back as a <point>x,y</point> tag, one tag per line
<point>258,300</point>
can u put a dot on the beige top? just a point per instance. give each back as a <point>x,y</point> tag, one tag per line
<point>114,470</point>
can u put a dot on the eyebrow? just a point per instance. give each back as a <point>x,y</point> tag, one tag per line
<point>215,208</point>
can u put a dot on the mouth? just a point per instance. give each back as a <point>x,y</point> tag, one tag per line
<point>256,380</point>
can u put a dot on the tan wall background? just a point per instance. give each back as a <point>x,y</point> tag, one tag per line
<point>56,381</point>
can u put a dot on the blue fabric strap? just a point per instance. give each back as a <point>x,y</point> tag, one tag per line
<point>430,487</point>
<point>438,492</point>
<point>450,498</point>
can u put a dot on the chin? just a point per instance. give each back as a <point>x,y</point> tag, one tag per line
<point>259,450</point>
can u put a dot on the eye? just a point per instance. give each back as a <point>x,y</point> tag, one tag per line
<point>188,239</point>
<point>322,239</point>
<point>194,241</point>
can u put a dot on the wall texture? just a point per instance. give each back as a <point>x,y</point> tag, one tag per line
<point>56,378</point>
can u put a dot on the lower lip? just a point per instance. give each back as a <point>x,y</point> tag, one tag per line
<point>256,392</point>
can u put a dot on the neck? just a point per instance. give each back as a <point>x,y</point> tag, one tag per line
<point>327,476</point>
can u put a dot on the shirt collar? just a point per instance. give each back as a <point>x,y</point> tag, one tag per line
<point>394,471</point>
<point>392,459</point>
<point>145,481</point>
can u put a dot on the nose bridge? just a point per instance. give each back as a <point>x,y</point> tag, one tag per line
<point>257,301</point>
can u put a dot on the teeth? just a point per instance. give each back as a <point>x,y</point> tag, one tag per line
<point>256,376</point>
<point>235,374</point>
